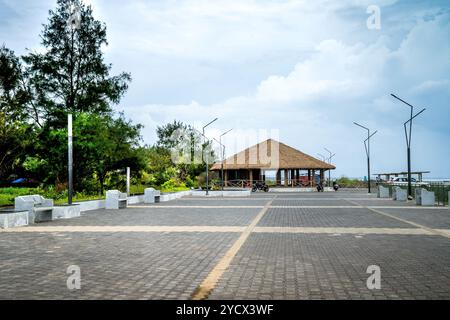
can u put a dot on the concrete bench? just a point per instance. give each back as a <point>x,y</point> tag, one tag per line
<point>13,218</point>
<point>425,197</point>
<point>151,195</point>
<point>116,200</point>
<point>399,194</point>
<point>39,209</point>
<point>66,212</point>
<point>383,192</point>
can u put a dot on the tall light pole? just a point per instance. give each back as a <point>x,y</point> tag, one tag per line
<point>408,138</point>
<point>223,155</point>
<point>207,157</point>
<point>367,147</point>
<point>73,23</point>
<point>70,157</point>
<point>329,161</point>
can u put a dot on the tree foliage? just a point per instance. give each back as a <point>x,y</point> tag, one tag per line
<point>71,75</point>
<point>101,146</point>
<point>13,96</point>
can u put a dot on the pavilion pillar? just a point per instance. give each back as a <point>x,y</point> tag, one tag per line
<point>286,183</point>
<point>292,177</point>
<point>313,178</point>
<point>297,176</point>
<point>322,176</point>
<point>250,176</point>
<point>309,178</point>
<point>278,182</point>
<point>225,178</point>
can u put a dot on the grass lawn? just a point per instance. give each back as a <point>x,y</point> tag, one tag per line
<point>7,195</point>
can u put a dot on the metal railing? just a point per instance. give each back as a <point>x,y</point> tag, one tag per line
<point>245,183</point>
<point>440,189</point>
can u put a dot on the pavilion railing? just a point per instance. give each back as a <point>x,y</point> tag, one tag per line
<point>245,183</point>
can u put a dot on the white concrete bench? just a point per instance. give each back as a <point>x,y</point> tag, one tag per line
<point>383,192</point>
<point>116,200</point>
<point>425,197</point>
<point>399,194</point>
<point>39,209</point>
<point>151,195</point>
<point>13,218</point>
<point>66,212</point>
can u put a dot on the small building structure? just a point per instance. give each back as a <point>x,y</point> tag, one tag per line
<point>392,175</point>
<point>292,167</point>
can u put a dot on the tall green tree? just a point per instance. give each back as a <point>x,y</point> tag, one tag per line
<point>15,133</point>
<point>179,137</point>
<point>71,76</point>
<point>13,96</point>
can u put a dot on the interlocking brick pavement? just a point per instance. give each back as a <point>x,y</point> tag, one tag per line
<point>167,250</point>
<point>324,217</point>
<point>298,266</point>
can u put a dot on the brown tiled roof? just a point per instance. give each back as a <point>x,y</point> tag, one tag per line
<point>259,157</point>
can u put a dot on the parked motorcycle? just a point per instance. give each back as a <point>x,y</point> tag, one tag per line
<point>260,186</point>
<point>319,188</point>
<point>335,186</point>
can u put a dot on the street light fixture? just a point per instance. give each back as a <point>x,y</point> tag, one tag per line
<point>73,24</point>
<point>408,138</point>
<point>367,147</point>
<point>329,161</point>
<point>207,164</point>
<point>223,155</point>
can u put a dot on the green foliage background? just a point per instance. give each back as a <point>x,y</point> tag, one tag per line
<point>39,90</point>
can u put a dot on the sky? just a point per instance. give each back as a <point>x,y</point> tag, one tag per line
<point>298,71</point>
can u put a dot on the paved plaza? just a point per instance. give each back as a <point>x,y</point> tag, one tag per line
<point>267,246</point>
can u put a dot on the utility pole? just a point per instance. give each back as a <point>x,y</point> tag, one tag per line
<point>367,147</point>
<point>322,157</point>
<point>408,139</point>
<point>73,23</point>
<point>223,155</point>
<point>207,156</point>
<point>128,181</point>
<point>329,161</point>
<point>70,157</point>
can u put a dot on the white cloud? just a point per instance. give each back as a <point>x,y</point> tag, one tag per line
<point>308,68</point>
<point>314,105</point>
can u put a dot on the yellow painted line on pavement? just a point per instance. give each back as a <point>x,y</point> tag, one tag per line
<point>408,207</point>
<point>208,284</point>
<point>317,207</point>
<point>194,207</point>
<point>144,229</point>
<point>323,230</point>
<point>112,229</point>
<point>434,231</point>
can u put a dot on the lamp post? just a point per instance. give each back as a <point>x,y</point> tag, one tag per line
<point>207,157</point>
<point>408,138</point>
<point>329,161</point>
<point>367,147</point>
<point>70,157</point>
<point>73,24</point>
<point>223,155</point>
